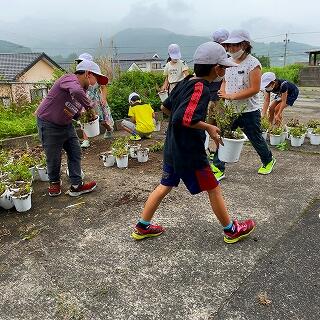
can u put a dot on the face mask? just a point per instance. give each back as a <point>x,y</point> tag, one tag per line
<point>218,79</point>
<point>236,55</point>
<point>269,89</point>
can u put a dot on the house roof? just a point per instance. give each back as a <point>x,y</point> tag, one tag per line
<point>313,51</point>
<point>13,65</point>
<point>149,56</point>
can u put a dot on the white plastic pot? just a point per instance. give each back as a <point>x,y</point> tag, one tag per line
<point>296,141</point>
<point>163,95</point>
<point>283,137</point>
<point>275,139</point>
<point>22,203</point>
<point>33,172</point>
<point>6,200</point>
<point>122,162</point>
<point>309,131</point>
<point>91,129</point>
<point>133,150</point>
<point>265,135</point>
<point>231,150</point>
<point>315,139</point>
<point>108,159</point>
<point>143,155</point>
<point>43,174</point>
<point>157,126</point>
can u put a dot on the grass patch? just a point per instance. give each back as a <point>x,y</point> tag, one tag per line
<point>17,121</point>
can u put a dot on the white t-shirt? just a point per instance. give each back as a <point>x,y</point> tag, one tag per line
<point>237,79</point>
<point>174,71</point>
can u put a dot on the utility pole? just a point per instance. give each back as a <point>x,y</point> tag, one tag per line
<point>286,41</point>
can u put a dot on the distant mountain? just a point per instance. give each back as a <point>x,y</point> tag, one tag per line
<point>157,40</point>
<point>10,47</point>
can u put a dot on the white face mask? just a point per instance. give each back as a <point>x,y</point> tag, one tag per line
<point>236,55</point>
<point>269,89</point>
<point>218,79</point>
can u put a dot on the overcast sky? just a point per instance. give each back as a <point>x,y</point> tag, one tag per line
<point>266,20</point>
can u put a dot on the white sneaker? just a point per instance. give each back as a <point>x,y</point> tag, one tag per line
<point>85,144</point>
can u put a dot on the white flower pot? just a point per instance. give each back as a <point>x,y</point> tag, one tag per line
<point>108,159</point>
<point>231,150</point>
<point>143,155</point>
<point>265,135</point>
<point>6,200</point>
<point>133,150</point>
<point>122,162</point>
<point>157,126</point>
<point>92,128</point>
<point>33,172</point>
<point>275,139</point>
<point>309,131</point>
<point>22,203</point>
<point>163,95</point>
<point>43,174</point>
<point>296,141</point>
<point>283,136</point>
<point>315,139</point>
<point>288,131</point>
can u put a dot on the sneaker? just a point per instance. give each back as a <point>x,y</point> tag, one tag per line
<point>107,134</point>
<point>82,188</point>
<point>266,169</point>
<point>85,144</point>
<point>217,172</point>
<point>135,137</point>
<point>54,189</point>
<point>151,231</point>
<point>243,229</point>
<point>148,136</point>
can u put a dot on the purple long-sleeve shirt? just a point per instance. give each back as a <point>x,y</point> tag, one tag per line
<point>64,101</point>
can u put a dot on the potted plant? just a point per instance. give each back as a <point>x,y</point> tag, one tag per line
<point>22,197</point>
<point>143,154</point>
<point>233,140</point>
<point>121,155</point>
<point>28,160</point>
<point>108,158</point>
<point>120,142</point>
<point>5,197</point>
<point>292,123</point>
<point>265,125</point>
<point>42,168</point>
<point>275,135</point>
<point>315,136</point>
<point>296,136</point>
<point>19,172</point>
<point>133,150</point>
<point>312,124</point>
<point>90,123</point>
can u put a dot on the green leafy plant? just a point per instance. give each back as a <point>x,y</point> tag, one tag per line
<point>42,161</point>
<point>313,123</point>
<point>120,152</point>
<point>290,72</point>
<point>19,172</point>
<point>276,131</point>
<point>3,188</point>
<point>27,160</point>
<point>120,142</point>
<point>158,146</point>
<point>88,116</point>
<point>296,132</point>
<point>293,123</point>
<point>316,131</point>
<point>265,124</point>
<point>24,189</point>
<point>282,146</point>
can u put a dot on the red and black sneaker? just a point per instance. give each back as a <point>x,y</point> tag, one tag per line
<point>151,231</point>
<point>54,189</point>
<point>242,230</point>
<point>82,188</point>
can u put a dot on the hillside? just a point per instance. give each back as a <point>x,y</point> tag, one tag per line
<point>10,47</point>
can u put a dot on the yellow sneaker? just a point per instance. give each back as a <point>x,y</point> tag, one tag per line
<point>266,169</point>
<point>217,172</point>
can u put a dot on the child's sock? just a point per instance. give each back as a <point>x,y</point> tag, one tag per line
<point>143,224</point>
<point>230,228</point>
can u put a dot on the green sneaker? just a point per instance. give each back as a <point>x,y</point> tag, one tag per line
<point>266,169</point>
<point>217,172</point>
<point>135,137</point>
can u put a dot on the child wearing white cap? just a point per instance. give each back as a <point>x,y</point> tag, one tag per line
<point>184,156</point>
<point>142,118</point>
<point>175,69</point>
<point>240,87</point>
<point>98,94</point>
<point>286,93</point>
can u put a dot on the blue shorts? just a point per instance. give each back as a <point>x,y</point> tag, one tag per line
<point>196,181</point>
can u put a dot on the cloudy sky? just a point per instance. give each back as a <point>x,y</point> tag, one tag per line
<point>265,20</point>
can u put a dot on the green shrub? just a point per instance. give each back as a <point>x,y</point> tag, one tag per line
<point>290,72</point>
<point>146,84</point>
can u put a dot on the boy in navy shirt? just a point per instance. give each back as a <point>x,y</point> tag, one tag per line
<point>286,94</point>
<point>185,156</point>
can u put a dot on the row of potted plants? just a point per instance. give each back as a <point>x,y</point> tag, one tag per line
<point>17,172</point>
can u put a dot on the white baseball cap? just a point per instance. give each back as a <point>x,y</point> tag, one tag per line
<point>174,51</point>
<point>84,56</point>
<point>87,65</point>
<point>266,78</point>
<point>212,53</point>
<point>220,35</point>
<point>237,36</point>
<point>133,94</point>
